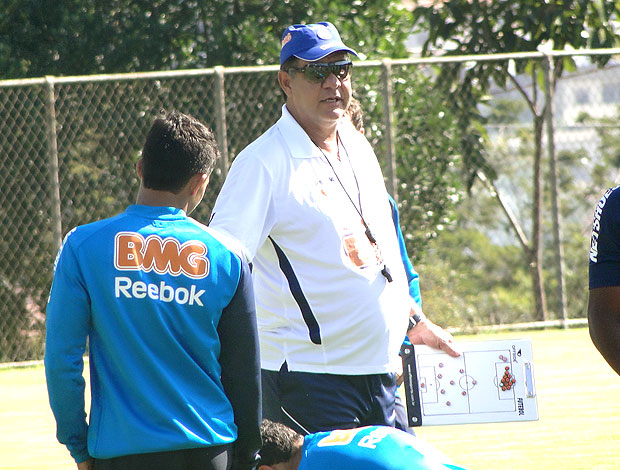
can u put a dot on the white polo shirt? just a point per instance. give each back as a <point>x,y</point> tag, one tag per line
<point>322,303</point>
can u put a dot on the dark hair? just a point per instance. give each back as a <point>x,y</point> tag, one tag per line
<point>356,114</point>
<point>177,147</point>
<point>279,443</point>
<point>288,63</point>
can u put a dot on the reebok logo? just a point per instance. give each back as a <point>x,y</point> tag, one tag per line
<point>132,252</point>
<point>162,292</point>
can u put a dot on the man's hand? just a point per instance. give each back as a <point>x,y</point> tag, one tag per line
<point>400,378</point>
<point>86,465</point>
<point>426,332</point>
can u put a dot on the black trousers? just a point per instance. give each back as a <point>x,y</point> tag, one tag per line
<point>311,402</point>
<point>203,458</point>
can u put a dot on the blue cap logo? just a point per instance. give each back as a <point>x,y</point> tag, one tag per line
<point>311,42</point>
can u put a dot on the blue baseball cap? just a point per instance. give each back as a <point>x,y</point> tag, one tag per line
<point>311,42</point>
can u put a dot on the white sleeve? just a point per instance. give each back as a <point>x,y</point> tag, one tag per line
<point>244,207</point>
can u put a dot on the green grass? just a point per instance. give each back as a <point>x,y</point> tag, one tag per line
<point>27,426</point>
<point>578,407</point>
<point>578,403</point>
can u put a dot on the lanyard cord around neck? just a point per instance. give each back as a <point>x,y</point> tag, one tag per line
<point>371,238</point>
<point>359,195</point>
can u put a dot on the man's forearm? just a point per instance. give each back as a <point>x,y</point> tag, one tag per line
<point>604,323</point>
<point>240,361</point>
<point>604,327</point>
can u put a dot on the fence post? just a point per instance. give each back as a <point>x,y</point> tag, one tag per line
<point>388,121</point>
<point>555,208</point>
<point>52,158</point>
<point>220,124</point>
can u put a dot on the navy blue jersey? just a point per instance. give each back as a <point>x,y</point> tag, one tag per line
<point>370,448</point>
<point>605,242</point>
<point>169,315</point>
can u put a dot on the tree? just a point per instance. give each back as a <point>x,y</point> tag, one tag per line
<point>465,27</point>
<point>100,125</point>
<point>69,37</point>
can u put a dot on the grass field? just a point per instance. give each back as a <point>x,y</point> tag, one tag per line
<point>578,401</point>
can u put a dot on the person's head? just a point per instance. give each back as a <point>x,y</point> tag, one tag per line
<point>315,73</point>
<point>356,114</point>
<point>281,447</point>
<point>179,151</point>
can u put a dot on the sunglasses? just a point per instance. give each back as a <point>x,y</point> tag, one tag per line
<point>317,72</point>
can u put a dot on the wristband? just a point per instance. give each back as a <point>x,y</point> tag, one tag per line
<point>414,320</point>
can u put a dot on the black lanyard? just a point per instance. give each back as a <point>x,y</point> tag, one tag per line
<point>371,238</point>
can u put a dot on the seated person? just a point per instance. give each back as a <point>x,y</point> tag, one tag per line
<point>367,448</point>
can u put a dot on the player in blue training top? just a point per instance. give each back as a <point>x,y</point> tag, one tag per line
<point>168,312</point>
<point>604,300</point>
<point>401,421</point>
<point>366,448</point>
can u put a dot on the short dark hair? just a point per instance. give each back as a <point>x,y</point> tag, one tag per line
<point>279,443</point>
<point>356,113</point>
<point>288,63</point>
<point>285,67</point>
<point>177,147</point>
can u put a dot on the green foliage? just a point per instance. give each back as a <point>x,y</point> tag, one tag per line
<point>481,27</point>
<point>427,156</point>
<point>607,169</point>
<point>463,27</point>
<point>474,273</point>
<point>505,111</point>
<point>25,233</point>
<point>468,278</point>
<point>70,37</point>
<point>100,126</point>
<point>440,139</point>
<point>427,159</point>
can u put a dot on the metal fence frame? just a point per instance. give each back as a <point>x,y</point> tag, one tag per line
<point>220,124</point>
<point>220,74</point>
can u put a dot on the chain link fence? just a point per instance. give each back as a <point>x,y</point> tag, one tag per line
<point>69,148</point>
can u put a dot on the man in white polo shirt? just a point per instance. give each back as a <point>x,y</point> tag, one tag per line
<point>308,205</point>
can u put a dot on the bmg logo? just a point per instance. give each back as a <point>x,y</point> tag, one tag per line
<point>133,252</point>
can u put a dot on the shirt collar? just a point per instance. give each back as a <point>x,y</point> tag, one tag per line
<point>295,138</point>
<point>156,212</point>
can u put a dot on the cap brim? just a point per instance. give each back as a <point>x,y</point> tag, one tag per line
<point>318,52</point>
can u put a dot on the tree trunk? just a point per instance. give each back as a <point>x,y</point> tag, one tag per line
<point>535,255</point>
<point>550,81</point>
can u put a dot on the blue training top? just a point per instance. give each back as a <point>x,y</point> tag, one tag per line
<point>605,242</point>
<point>169,315</point>
<point>412,276</point>
<point>370,448</point>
